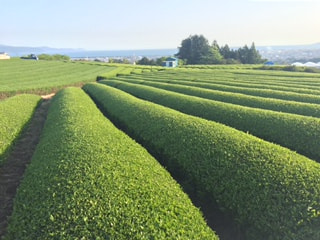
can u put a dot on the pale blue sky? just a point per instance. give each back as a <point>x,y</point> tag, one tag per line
<point>146,24</point>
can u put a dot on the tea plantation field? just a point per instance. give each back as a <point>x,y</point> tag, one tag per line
<point>122,158</point>
<point>42,77</point>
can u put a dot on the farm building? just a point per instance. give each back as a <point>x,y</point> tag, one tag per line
<point>170,62</point>
<point>4,55</point>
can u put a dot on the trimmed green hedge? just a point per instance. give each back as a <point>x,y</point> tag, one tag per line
<point>272,192</point>
<point>125,71</point>
<point>88,180</point>
<point>137,71</point>
<point>306,109</point>
<point>296,132</point>
<point>15,113</point>
<point>290,96</point>
<point>111,74</point>
<point>242,79</point>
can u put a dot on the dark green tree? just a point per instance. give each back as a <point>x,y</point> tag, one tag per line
<point>215,45</point>
<point>55,57</point>
<point>196,50</point>
<point>159,61</point>
<point>212,57</point>
<point>249,55</point>
<point>244,54</point>
<point>146,61</point>
<point>226,52</point>
<point>254,55</point>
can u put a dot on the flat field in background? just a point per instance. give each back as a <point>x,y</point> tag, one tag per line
<point>41,77</point>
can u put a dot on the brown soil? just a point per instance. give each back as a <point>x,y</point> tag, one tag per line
<point>11,172</point>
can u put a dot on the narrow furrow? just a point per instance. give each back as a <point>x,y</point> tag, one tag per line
<point>11,173</point>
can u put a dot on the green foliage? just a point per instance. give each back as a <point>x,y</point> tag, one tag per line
<point>88,180</point>
<point>126,70</point>
<point>250,55</point>
<point>41,77</point>
<point>291,68</point>
<point>137,71</point>
<point>296,132</point>
<point>196,50</point>
<point>146,61</point>
<point>152,62</point>
<point>15,113</point>
<point>55,57</point>
<point>117,60</point>
<point>305,109</point>
<point>267,93</point>
<point>272,192</point>
<point>111,74</point>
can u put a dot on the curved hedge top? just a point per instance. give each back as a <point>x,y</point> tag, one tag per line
<point>306,109</point>
<point>268,93</point>
<point>88,180</point>
<point>299,133</point>
<point>271,191</point>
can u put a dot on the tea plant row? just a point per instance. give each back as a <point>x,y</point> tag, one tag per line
<point>15,113</point>
<point>272,192</point>
<point>299,133</point>
<point>88,180</point>
<point>301,108</point>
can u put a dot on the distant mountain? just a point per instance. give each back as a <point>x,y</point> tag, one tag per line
<point>21,51</point>
<point>153,53</point>
<point>82,53</point>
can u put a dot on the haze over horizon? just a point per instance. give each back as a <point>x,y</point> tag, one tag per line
<point>142,24</point>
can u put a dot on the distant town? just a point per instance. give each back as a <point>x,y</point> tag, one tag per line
<point>291,54</point>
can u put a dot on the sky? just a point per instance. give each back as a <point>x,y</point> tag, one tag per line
<point>147,24</point>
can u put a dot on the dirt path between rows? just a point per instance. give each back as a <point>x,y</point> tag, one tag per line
<point>11,173</point>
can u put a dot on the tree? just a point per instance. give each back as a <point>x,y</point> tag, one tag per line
<point>212,57</point>
<point>196,50</point>
<point>243,54</point>
<point>215,55</point>
<point>254,55</point>
<point>159,61</point>
<point>249,55</point>
<point>55,57</point>
<point>146,61</point>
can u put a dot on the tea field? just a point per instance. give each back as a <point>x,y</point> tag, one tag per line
<point>42,77</point>
<point>128,156</point>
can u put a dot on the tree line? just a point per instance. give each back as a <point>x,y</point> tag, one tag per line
<point>55,57</point>
<point>196,50</point>
<point>152,62</point>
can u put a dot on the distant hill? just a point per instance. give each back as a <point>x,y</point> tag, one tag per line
<point>125,53</point>
<point>79,53</point>
<point>21,51</point>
